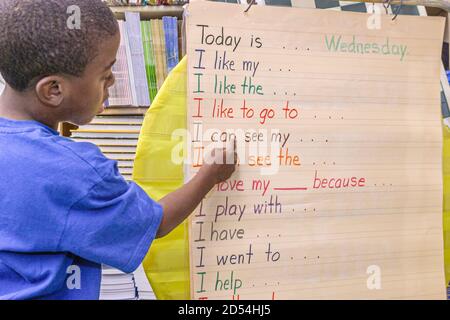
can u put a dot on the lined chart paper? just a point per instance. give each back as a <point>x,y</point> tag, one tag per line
<point>338,191</point>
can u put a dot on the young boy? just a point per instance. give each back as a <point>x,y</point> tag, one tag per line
<point>64,208</point>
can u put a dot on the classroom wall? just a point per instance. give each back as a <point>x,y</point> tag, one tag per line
<point>445,47</point>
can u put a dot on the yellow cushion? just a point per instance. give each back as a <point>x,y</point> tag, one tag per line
<point>167,263</point>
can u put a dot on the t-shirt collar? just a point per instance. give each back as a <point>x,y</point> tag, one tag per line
<point>9,123</point>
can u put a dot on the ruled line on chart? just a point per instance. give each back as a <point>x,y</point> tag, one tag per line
<point>405,147</point>
<point>291,238</point>
<point>301,263</point>
<point>304,264</point>
<point>215,195</point>
<point>314,234</point>
<point>220,296</point>
<point>299,215</point>
<point>332,55</point>
<point>380,185</point>
<point>389,78</point>
<point>278,290</point>
<point>374,145</point>
<point>300,99</point>
<point>359,209</point>
<point>327,119</point>
<point>248,169</point>
<point>270,75</point>
<point>318,123</point>
<point>260,27</point>
<point>315,241</point>
<point>340,167</point>
<point>299,211</point>
<point>321,95</point>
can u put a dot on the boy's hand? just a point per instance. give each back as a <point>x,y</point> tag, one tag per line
<point>222,165</point>
<point>180,203</point>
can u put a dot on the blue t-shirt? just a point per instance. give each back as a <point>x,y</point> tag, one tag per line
<point>64,210</point>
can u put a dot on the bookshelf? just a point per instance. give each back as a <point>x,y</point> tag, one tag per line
<point>115,131</point>
<point>2,84</point>
<point>146,13</point>
<point>124,111</point>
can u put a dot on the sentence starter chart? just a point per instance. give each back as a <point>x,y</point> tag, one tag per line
<point>338,188</point>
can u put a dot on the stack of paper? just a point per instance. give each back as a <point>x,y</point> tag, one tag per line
<point>145,291</point>
<point>117,285</point>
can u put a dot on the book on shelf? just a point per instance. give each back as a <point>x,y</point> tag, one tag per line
<point>2,84</point>
<point>120,94</point>
<point>149,58</point>
<point>171,36</point>
<point>148,51</point>
<point>135,56</point>
<point>116,285</point>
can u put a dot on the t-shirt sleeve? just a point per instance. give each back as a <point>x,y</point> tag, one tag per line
<point>114,224</point>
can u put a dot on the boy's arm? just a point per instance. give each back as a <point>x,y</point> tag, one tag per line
<point>178,205</point>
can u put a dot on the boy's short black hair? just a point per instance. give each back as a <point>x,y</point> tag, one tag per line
<point>38,38</point>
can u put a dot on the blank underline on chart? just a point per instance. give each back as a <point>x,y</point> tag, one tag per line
<point>291,189</point>
<point>300,98</point>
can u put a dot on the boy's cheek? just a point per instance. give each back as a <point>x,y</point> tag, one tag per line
<point>96,95</point>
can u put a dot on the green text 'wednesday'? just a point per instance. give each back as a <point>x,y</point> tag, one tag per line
<point>350,44</point>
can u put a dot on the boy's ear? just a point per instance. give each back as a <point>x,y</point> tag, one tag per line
<point>50,91</point>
